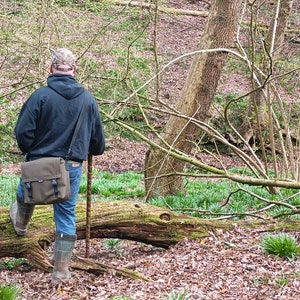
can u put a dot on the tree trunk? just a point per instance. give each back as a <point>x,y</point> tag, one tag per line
<point>195,100</point>
<point>257,122</point>
<point>259,128</point>
<point>114,219</point>
<point>279,24</point>
<point>109,219</point>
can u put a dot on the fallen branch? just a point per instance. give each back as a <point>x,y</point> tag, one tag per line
<point>166,10</point>
<point>187,12</point>
<point>97,268</point>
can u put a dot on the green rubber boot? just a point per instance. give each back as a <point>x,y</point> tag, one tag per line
<point>20,215</point>
<point>64,245</point>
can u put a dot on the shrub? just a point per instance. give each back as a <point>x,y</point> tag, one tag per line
<point>281,245</point>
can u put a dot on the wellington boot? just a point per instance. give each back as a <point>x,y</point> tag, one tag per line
<point>64,245</point>
<point>20,215</point>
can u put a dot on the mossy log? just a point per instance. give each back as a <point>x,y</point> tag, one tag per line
<point>110,219</point>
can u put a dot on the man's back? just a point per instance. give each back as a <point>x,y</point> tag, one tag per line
<point>48,118</point>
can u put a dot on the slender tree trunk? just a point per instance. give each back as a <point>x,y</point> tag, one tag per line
<point>258,125</point>
<point>195,100</point>
<point>258,119</point>
<point>279,24</point>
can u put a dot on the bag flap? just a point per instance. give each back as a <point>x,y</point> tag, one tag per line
<point>42,169</point>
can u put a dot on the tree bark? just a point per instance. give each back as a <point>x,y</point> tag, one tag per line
<point>195,100</point>
<point>109,219</point>
<point>115,219</point>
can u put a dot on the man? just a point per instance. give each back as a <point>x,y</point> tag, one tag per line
<point>44,128</point>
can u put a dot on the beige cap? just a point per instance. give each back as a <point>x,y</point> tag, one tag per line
<point>63,60</point>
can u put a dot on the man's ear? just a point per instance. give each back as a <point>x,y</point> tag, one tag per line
<point>74,69</point>
<point>51,69</point>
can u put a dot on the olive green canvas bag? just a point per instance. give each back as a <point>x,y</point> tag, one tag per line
<point>46,180</point>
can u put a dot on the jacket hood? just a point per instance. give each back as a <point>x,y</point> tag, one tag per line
<point>65,85</point>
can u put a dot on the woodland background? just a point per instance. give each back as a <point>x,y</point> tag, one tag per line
<point>226,265</point>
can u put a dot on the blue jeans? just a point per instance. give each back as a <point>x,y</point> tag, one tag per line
<point>64,212</point>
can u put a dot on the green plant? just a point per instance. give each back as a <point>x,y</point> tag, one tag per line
<point>9,292</point>
<point>256,282</point>
<point>112,243</point>
<point>282,281</point>
<point>174,296</point>
<point>7,122</point>
<point>115,186</point>
<point>115,245</point>
<point>262,280</point>
<point>281,245</point>
<point>8,186</point>
<point>12,262</point>
<point>203,197</point>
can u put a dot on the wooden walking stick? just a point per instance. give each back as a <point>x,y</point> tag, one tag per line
<point>88,205</point>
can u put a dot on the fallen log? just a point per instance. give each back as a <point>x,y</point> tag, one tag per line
<point>129,220</point>
<point>163,9</point>
<point>109,219</point>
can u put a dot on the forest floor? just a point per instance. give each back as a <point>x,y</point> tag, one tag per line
<point>226,265</point>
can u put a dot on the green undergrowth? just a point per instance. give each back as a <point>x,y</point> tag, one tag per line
<point>11,263</point>
<point>220,198</point>
<point>114,186</point>
<point>8,185</point>
<point>9,292</point>
<point>203,198</point>
<point>282,245</point>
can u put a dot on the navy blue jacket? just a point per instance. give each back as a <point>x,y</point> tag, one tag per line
<point>47,120</point>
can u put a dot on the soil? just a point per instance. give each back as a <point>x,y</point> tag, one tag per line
<point>226,265</point>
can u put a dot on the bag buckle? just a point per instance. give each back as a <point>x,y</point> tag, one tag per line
<point>29,189</point>
<point>55,187</point>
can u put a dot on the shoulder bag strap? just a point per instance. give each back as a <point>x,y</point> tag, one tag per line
<point>79,121</point>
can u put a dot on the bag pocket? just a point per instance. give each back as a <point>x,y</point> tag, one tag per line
<point>46,181</point>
